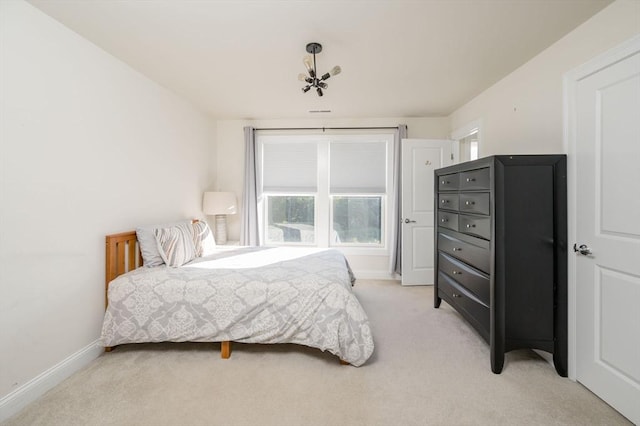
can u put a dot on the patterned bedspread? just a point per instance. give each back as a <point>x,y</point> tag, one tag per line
<point>294,298</point>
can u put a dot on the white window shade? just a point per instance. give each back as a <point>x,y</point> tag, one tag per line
<point>290,167</point>
<point>358,167</point>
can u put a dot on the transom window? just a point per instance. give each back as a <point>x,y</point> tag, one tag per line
<point>324,190</point>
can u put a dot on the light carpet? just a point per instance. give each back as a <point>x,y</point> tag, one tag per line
<point>429,368</point>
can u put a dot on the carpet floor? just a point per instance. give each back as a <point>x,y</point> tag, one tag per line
<point>429,368</point>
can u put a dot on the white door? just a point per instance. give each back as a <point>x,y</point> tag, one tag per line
<point>605,101</point>
<point>420,157</point>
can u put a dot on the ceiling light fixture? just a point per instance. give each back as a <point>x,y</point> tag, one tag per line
<point>312,79</point>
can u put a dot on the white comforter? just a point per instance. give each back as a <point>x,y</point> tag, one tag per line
<point>250,295</point>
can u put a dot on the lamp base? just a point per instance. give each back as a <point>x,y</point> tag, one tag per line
<point>221,229</point>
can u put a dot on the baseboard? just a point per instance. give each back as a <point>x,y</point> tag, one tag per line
<point>545,355</point>
<point>374,275</point>
<point>12,403</point>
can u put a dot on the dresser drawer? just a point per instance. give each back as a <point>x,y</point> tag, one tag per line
<point>471,308</point>
<point>448,220</point>
<point>475,225</point>
<point>474,202</point>
<point>448,182</point>
<point>448,201</point>
<point>474,255</point>
<point>474,281</point>
<point>474,179</point>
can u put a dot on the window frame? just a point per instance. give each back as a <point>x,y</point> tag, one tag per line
<point>462,148</point>
<point>323,211</point>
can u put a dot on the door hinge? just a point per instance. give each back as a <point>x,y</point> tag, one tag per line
<point>452,156</point>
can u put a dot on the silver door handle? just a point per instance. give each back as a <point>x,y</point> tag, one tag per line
<point>409,221</point>
<point>583,249</point>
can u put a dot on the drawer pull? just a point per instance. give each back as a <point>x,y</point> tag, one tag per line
<point>471,225</point>
<point>457,249</point>
<point>444,182</point>
<point>444,220</point>
<point>471,179</point>
<point>469,203</point>
<point>445,201</point>
<point>456,272</point>
<point>456,295</point>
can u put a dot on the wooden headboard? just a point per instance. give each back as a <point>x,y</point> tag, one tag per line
<point>123,255</point>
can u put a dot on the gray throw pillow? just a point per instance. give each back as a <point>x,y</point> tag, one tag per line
<point>148,244</point>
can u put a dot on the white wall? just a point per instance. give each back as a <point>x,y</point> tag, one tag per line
<point>88,147</point>
<point>522,114</point>
<point>230,164</point>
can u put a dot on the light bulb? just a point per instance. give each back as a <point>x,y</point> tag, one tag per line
<point>303,77</point>
<point>305,89</point>
<point>323,85</point>
<point>319,90</point>
<point>335,70</point>
<point>308,63</point>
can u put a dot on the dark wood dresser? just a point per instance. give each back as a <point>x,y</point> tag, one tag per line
<point>501,251</point>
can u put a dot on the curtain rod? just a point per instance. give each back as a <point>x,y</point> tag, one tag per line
<point>328,128</point>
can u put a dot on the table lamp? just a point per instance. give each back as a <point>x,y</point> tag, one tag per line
<point>219,204</point>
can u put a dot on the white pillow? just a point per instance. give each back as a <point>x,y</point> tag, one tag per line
<point>175,244</point>
<point>203,240</point>
<point>148,244</point>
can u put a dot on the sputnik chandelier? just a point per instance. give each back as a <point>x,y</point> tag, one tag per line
<point>312,79</point>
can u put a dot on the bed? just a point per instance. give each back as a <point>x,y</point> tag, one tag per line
<point>241,294</point>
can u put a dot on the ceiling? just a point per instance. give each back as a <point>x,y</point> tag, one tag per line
<point>240,59</point>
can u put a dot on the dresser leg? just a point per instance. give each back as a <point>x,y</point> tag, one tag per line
<point>560,364</point>
<point>436,302</point>
<point>497,361</point>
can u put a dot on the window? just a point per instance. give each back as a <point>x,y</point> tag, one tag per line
<point>289,186</point>
<point>324,190</point>
<point>469,146</point>
<point>290,218</point>
<point>357,219</point>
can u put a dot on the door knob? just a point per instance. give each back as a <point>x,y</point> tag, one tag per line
<point>583,249</point>
<point>409,221</point>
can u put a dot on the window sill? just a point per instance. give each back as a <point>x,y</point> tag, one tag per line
<point>346,250</point>
<point>363,251</point>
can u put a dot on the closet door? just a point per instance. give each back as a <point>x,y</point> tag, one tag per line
<point>607,272</point>
<point>420,157</point>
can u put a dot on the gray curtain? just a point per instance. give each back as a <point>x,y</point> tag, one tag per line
<point>395,264</point>
<point>249,235</point>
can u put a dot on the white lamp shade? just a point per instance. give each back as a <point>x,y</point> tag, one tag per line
<point>215,203</point>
